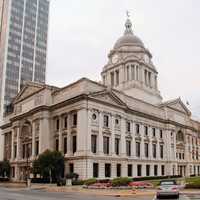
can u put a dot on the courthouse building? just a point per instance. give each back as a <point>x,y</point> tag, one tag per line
<point>119,127</point>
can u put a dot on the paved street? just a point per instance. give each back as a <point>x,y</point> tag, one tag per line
<point>11,194</point>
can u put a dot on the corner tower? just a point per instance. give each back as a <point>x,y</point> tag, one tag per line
<point>130,68</point>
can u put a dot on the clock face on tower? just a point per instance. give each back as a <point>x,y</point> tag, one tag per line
<point>115,58</point>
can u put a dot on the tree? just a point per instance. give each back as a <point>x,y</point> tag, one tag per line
<point>5,168</point>
<point>49,164</point>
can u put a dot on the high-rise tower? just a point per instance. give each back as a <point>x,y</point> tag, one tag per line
<point>23,45</point>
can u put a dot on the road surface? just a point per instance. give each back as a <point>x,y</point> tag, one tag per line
<point>18,194</point>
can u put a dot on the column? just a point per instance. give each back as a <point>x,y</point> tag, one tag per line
<point>112,135</point>
<point>44,133</point>
<point>60,139</point>
<point>69,140</point>
<point>123,137</point>
<point>33,138</point>
<point>100,136</point>
<point>12,144</point>
<point>142,143</point>
<point>82,131</point>
<point>18,144</point>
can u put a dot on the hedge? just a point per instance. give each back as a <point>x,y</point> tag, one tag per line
<point>90,181</point>
<point>124,181</point>
<point>154,178</point>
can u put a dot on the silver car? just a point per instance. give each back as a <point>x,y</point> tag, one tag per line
<point>168,188</point>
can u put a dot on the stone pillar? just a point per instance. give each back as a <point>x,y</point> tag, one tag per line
<point>33,138</point>
<point>123,137</point>
<point>82,132</point>
<point>112,135</point>
<point>142,156</point>
<point>44,133</point>
<point>100,136</point>
<point>69,138</point>
<point>18,144</point>
<point>60,139</point>
<point>12,144</point>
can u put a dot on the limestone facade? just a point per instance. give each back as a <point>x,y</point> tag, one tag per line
<point>120,127</point>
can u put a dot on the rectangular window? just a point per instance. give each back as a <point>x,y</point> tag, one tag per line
<point>138,149</point>
<point>128,127</point>
<point>154,132</point>
<point>146,130</point>
<point>71,168</point>
<point>117,77</point>
<point>107,170</point>
<point>13,172</point>
<point>75,119</point>
<point>130,170</point>
<point>137,127</point>
<point>132,72</point>
<point>147,170</point>
<point>128,147</point>
<point>112,78</point>
<point>57,145</point>
<point>127,73</point>
<point>106,121</point>
<point>65,122</point>
<point>106,145</point>
<point>65,145</point>
<point>36,147</point>
<point>74,144</point>
<point>118,170</point>
<point>162,170</point>
<point>161,134</point>
<point>94,143</point>
<point>139,170</point>
<point>161,151</point>
<point>155,170</point>
<point>95,170</point>
<point>154,150</point>
<point>15,151</point>
<point>146,150</point>
<point>23,151</point>
<point>117,146</point>
<point>57,124</point>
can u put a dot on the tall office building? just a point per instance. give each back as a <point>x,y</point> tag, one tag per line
<point>23,46</point>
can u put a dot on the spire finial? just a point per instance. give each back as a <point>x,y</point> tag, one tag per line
<point>128,24</point>
<point>128,14</point>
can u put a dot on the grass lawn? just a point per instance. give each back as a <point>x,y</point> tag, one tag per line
<point>192,182</point>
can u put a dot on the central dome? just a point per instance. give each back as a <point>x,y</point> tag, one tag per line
<point>128,39</point>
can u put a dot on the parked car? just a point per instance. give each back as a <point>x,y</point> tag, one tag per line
<point>168,189</point>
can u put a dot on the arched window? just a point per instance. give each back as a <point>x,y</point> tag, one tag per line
<point>180,136</point>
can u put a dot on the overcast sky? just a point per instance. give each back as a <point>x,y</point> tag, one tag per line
<point>82,32</point>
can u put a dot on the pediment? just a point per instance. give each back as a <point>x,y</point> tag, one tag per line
<point>108,97</point>
<point>178,105</point>
<point>27,90</point>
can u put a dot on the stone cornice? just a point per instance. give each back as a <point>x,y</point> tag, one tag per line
<point>85,97</point>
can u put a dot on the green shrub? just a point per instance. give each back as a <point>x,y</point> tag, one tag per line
<point>90,181</point>
<point>193,183</point>
<point>73,176</point>
<point>78,182</point>
<point>121,181</point>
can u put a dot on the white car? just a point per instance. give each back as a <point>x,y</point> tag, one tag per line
<point>168,189</point>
